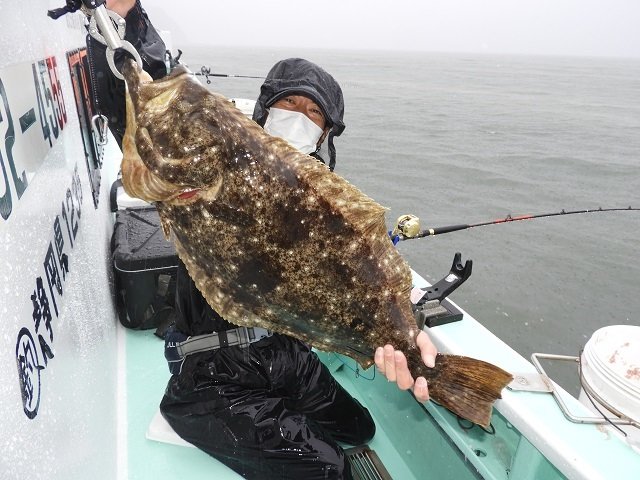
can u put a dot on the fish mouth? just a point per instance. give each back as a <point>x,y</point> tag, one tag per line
<point>186,196</point>
<point>188,193</point>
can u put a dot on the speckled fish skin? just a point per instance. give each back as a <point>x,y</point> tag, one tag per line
<point>272,238</point>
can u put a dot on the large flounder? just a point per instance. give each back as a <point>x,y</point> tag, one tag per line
<point>273,239</point>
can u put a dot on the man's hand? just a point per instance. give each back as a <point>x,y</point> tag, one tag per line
<point>393,364</point>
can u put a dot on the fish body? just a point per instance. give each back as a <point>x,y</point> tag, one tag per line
<point>271,237</point>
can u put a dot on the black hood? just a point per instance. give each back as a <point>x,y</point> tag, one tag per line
<point>297,76</point>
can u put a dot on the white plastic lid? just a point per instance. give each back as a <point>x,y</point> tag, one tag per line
<point>611,367</point>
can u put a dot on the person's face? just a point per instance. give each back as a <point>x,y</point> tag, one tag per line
<point>302,104</point>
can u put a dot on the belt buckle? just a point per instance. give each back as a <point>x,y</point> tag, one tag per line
<point>258,333</point>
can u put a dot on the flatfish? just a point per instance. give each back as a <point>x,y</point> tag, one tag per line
<point>273,239</point>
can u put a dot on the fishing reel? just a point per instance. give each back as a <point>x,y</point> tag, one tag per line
<point>407,225</point>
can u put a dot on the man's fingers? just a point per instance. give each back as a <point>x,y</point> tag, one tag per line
<point>379,359</point>
<point>421,390</point>
<point>403,376</point>
<point>428,350</point>
<point>393,365</point>
<point>389,363</point>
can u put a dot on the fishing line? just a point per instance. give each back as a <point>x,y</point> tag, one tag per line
<point>355,370</point>
<point>406,228</point>
<point>585,389</point>
<point>468,425</point>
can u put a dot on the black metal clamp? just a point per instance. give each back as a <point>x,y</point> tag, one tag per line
<point>432,308</point>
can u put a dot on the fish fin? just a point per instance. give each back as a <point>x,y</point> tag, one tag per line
<point>357,208</point>
<point>166,227</point>
<point>365,216</point>
<point>466,386</point>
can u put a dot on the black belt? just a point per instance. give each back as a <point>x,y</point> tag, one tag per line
<point>177,345</point>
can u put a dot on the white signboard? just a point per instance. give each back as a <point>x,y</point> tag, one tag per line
<point>32,117</point>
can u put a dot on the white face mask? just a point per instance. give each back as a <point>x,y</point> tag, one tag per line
<point>295,127</point>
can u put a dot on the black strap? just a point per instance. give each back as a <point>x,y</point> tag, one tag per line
<point>113,195</point>
<point>168,319</point>
<point>222,337</point>
<point>332,151</point>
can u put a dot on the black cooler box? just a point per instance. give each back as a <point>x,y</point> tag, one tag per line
<point>145,265</point>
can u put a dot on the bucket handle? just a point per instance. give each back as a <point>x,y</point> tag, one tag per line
<point>588,390</point>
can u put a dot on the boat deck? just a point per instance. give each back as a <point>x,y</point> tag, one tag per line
<point>529,438</point>
<point>146,376</point>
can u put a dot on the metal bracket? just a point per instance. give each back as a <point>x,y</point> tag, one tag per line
<point>430,305</point>
<point>530,382</point>
<point>100,30</point>
<point>434,313</point>
<point>543,383</point>
<point>443,288</point>
<point>100,125</point>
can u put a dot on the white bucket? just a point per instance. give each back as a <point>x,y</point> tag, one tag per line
<point>611,370</point>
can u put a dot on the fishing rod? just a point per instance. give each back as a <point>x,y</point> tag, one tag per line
<point>408,226</point>
<point>206,72</point>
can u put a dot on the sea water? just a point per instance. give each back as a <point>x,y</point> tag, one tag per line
<point>466,138</point>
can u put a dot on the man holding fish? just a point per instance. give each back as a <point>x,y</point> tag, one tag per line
<point>258,401</point>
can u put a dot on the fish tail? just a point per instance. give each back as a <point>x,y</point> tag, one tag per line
<point>466,386</point>
<point>132,78</point>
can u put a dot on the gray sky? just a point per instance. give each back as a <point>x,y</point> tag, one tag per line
<point>555,27</point>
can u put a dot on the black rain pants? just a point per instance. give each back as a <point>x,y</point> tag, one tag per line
<point>271,410</point>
